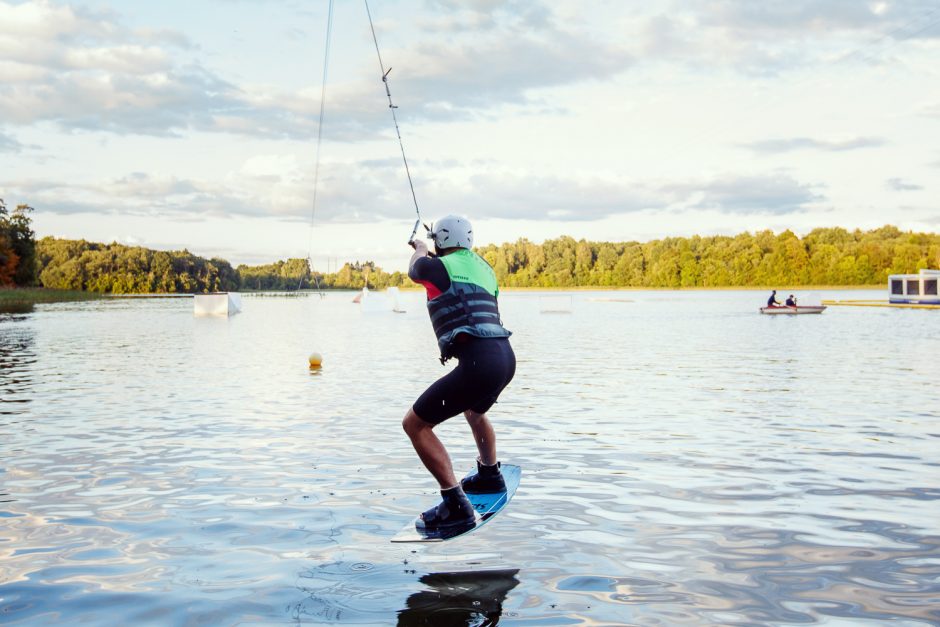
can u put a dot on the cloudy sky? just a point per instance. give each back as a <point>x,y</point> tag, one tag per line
<point>194,123</point>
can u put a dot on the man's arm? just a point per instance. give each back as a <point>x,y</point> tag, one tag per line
<point>427,270</point>
<point>421,251</point>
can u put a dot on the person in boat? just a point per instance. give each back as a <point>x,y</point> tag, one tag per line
<point>772,301</point>
<point>791,302</point>
<point>462,297</point>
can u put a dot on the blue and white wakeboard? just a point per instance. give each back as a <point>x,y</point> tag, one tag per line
<point>485,505</point>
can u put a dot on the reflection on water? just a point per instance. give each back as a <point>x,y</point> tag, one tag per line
<point>8,310</point>
<point>452,599</point>
<point>687,461</point>
<point>16,361</point>
<point>361,592</point>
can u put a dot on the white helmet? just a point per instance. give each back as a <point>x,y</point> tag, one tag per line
<point>452,232</point>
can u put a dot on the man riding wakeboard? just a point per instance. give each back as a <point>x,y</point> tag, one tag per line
<point>462,301</point>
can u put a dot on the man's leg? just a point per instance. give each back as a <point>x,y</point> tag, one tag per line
<point>488,478</point>
<point>484,435</point>
<point>430,449</point>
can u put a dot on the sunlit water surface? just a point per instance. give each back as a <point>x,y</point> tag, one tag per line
<point>685,461</point>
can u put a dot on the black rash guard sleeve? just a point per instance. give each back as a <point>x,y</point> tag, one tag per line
<point>430,271</point>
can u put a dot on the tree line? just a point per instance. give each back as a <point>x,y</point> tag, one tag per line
<point>824,256</point>
<point>294,274</point>
<point>119,269</point>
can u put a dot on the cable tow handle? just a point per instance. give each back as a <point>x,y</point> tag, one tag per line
<point>414,231</point>
<point>388,91</point>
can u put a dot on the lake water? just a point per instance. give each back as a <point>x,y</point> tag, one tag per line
<point>685,461</point>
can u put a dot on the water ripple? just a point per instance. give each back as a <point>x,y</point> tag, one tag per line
<point>685,462</point>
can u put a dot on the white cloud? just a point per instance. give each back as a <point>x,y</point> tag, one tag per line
<point>265,186</point>
<point>774,36</point>
<point>281,186</point>
<point>931,111</point>
<point>8,143</point>
<point>480,16</point>
<point>88,71</point>
<point>809,143</point>
<point>504,69</point>
<point>901,185</point>
<point>751,194</point>
<point>85,70</point>
<point>759,19</point>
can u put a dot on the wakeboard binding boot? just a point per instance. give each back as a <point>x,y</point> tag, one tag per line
<point>454,510</point>
<point>488,480</point>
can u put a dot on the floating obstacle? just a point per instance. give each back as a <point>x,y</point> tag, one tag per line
<point>394,295</point>
<point>914,289</point>
<point>315,360</point>
<point>555,304</point>
<point>376,302</point>
<point>877,303</point>
<point>220,304</point>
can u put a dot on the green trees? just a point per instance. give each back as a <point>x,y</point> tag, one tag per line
<point>292,274</point>
<point>825,256</point>
<point>364,274</point>
<point>119,269</point>
<point>17,247</point>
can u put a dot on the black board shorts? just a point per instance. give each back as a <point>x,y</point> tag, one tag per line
<point>484,367</point>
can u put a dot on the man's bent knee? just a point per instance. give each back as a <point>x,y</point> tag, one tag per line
<point>412,423</point>
<point>473,417</point>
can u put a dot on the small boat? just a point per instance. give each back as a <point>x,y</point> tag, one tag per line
<point>799,309</point>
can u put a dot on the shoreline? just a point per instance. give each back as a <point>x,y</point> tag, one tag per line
<point>605,288</point>
<point>40,295</point>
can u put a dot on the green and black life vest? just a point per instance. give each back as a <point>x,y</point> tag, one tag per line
<point>469,304</point>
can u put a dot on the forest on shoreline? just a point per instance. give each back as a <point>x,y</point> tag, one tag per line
<point>830,256</point>
<point>824,256</point>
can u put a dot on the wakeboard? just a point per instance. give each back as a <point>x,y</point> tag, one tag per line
<point>485,505</point>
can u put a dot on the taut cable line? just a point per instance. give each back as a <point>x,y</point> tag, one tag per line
<point>316,168</point>
<point>392,107</point>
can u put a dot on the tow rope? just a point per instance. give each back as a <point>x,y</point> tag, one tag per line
<point>392,107</point>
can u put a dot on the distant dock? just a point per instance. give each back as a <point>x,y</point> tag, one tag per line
<point>877,303</point>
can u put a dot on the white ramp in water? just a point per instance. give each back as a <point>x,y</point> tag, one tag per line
<point>222,304</point>
<point>395,297</point>
<point>376,302</point>
<point>555,304</point>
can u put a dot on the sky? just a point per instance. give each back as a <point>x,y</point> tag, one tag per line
<point>195,123</point>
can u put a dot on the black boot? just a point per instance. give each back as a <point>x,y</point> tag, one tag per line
<point>488,480</point>
<point>455,510</point>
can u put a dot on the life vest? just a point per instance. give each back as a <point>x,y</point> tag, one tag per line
<point>469,304</point>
